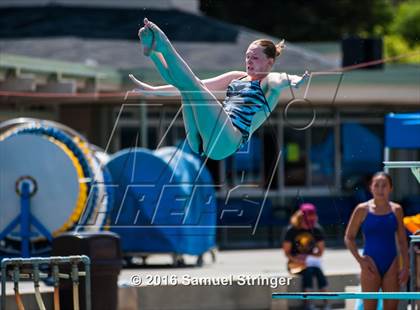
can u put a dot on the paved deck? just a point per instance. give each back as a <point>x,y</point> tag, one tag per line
<point>159,279</point>
<point>265,262</point>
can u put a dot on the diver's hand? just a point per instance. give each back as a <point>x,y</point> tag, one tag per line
<point>403,275</point>
<point>142,88</point>
<point>368,265</point>
<point>296,81</point>
<point>140,84</point>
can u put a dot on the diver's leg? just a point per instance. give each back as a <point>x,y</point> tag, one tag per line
<point>220,138</point>
<point>390,283</point>
<point>205,117</point>
<point>190,124</point>
<point>370,282</point>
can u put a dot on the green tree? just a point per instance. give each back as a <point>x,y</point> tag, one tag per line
<point>407,22</point>
<point>299,20</point>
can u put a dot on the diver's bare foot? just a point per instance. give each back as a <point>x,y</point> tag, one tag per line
<point>146,37</point>
<point>160,41</point>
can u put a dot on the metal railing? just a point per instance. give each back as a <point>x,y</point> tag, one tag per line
<point>12,267</point>
<point>413,268</point>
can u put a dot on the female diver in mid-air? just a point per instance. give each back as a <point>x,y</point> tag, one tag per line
<point>215,129</point>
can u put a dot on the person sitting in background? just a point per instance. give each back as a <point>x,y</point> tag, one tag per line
<point>304,246</point>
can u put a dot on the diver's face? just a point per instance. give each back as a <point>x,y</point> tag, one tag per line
<point>256,61</point>
<point>380,187</point>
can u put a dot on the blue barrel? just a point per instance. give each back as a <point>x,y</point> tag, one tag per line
<point>163,203</point>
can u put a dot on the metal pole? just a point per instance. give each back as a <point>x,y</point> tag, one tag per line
<point>86,261</point>
<point>75,284</point>
<point>412,271</point>
<point>3,283</point>
<point>56,279</point>
<point>38,296</point>
<point>16,277</point>
<point>25,229</point>
<point>144,124</point>
<point>387,153</point>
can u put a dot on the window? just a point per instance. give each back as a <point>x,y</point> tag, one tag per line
<point>309,158</point>
<point>322,156</point>
<point>295,157</point>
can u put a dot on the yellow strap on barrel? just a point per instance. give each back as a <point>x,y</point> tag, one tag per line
<point>83,189</point>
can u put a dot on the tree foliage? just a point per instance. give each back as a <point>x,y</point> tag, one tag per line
<point>299,20</point>
<point>407,22</point>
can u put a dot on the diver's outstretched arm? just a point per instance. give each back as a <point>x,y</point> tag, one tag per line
<point>149,90</point>
<point>215,85</point>
<point>281,80</point>
<point>278,81</point>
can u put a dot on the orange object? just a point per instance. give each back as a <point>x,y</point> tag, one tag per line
<point>56,298</point>
<point>412,223</point>
<point>18,299</point>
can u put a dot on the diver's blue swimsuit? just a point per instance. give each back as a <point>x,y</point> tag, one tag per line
<point>243,100</point>
<point>379,232</point>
